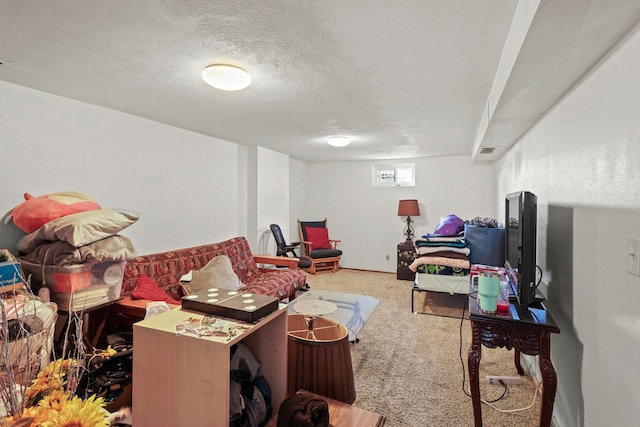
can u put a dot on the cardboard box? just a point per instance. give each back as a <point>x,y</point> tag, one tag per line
<point>11,276</point>
<point>80,286</point>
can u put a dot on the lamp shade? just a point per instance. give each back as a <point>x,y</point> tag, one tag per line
<point>408,208</point>
<point>319,358</point>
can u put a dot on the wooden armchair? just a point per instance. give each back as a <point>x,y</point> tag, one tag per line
<point>318,247</point>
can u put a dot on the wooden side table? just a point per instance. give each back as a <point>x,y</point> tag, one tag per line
<point>406,255</point>
<point>183,380</point>
<point>344,415</point>
<point>94,321</point>
<point>526,330</point>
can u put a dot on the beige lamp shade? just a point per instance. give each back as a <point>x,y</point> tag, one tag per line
<point>319,358</point>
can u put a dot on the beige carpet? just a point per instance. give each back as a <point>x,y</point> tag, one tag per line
<point>407,366</point>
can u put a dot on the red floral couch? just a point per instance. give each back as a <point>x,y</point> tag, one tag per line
<point>166,268</point>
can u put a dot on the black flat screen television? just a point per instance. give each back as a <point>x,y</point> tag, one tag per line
<point>520,233</point>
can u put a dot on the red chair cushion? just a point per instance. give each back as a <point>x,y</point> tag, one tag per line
<point>319,238</point>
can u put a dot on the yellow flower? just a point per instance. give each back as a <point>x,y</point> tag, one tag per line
<point>50,378</point>
<point>31,416</point>
<point>54,400</point>
<point>56,367</point>
<point>38,414</point>
<point>79,413</point>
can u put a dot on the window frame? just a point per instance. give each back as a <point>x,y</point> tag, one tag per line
<point>393,175</point>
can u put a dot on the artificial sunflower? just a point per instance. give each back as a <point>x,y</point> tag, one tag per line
<point>79,413</point>
<point>54,400</point>
<point>51,378</point>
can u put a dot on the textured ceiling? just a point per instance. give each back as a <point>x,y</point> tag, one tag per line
<point>403,79</point>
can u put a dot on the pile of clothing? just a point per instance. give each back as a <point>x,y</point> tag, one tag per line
<point>250,395</point>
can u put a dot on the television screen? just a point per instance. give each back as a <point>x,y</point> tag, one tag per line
<point>520,245</point>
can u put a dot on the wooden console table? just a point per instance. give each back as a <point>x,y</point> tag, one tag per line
<point>527,330</point>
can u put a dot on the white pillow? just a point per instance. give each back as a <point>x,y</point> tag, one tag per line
<point>218,273</point>
<point>79,229</point>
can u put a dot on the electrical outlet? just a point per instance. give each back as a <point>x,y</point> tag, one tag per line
<point>633,256</point>
<point>495,379</point>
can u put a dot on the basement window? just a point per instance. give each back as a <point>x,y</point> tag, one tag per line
<point>394,175</point>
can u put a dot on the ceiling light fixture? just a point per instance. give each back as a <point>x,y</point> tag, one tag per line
<point>339,141</point>
<point>226,77</point>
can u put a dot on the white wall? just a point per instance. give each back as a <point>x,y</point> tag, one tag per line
<point>185,185</point>
<point>582,161</point>
<point>272,205</point>
<point>366,218</point>
<point>298,199</point>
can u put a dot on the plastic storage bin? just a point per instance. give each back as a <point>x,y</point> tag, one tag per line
<point>78,287</point>
<point>486,245</point>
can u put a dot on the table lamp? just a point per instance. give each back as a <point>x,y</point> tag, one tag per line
<point>408,208</point>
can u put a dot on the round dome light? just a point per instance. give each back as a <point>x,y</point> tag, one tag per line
<point>339,141</point>
<point>226,77</point>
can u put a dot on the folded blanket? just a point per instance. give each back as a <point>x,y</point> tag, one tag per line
<point>442,270</point>
<point>448,254</point>
<point>440,238</point>
<point>457,243</point>
<point>447,262</point>
<point>303,410</point>
<point>425,250</point>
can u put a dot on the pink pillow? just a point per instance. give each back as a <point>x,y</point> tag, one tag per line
<point>34,212</point>
<point>319,238</point>
<point>148,289</point>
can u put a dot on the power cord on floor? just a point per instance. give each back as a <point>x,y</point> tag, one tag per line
<point>504,393</point>
<point>535,397</point>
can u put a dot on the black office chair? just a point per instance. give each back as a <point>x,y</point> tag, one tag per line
<point>284,250</point>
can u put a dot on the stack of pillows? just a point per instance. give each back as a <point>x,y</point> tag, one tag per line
<point>69,228</point>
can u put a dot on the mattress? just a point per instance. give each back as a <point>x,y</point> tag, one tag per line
<point>442,283</point>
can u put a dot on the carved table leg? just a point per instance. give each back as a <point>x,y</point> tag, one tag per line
<point>516,359</point>
<point>475,353</point>
<point>549,379</point>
